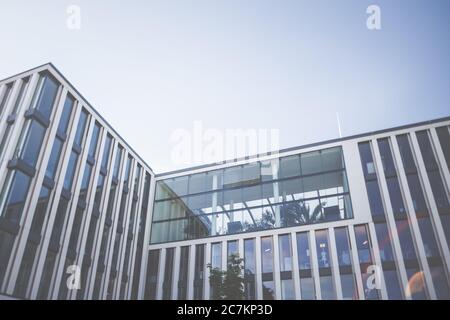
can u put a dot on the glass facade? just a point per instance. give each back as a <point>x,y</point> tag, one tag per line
<point>302,189</point>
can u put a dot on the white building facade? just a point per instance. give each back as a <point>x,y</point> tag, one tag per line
<point>362,217</point>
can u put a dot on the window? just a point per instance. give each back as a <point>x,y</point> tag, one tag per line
<point>106,152</point>
<point>232,248</point>
<point>416,288</point>
<point>395,195</point>
<point>384,242</point>
<point>117,162</point>
<point>349,291</point>
<point>307,288</point>
<point>285,252</point>
<point>406,240</point>
<point>444,139</point>
<point>364,248</point>
<point>366,159</point>
<point>415,188</point>
<point>392,285</point>
<point>12,198</point>
<point>197,183</point>
<point>303,252</point>
<point>152,275</point>
<point>289,166</point>
<point>323,253</point>
<point>267,268</point>
<point>28,149</point>
<point>53,161</point>
<point>20,96</point>
<point>406,154</point>
<point>66,113</point>
<point>94,140</point>
<point>216,255</point>
<point>205,204</point>
<point>47,94</point>
<point>267,254</point>
<point>168,270</point>
<point>386,157</point>
<point>363,244</point>
<point>5,96</point>
<point>199,271</point>
<point>249,269</point>
<point>41,210</point>
<point>82,122</point>
<point>70,173</point>
<point>183,273</point>
<point>428,239</point>
<point>343,247</point>
<point>440,282</point>
<point>426,150</point>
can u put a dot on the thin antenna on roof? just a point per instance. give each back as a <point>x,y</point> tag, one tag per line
<point>339,124</point>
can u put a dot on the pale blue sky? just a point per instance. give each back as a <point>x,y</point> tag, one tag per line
<point>150,67</point>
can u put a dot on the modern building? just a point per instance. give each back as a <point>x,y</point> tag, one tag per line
<point>361,217</point>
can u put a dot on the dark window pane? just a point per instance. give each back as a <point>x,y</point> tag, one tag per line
<point>249,256</point>
<point>343,247</point>
<point>41,210</point>
<point>232,248</point>
<point>427,150</point>
<point>444,139</point>
<point>406,240</point>
<point>307,289</point>
<point>168,271</point>
<point>5,96</point>
<point>152,275</point>
<point>376,204</point>
<point>65,115</point>
<point>15,194</point>
<point>285,253</point>
<point>349,291</point>
<point>106,151</point>
<point>439,193</point>
<point>19,99</point>
<point>416,191</point>
<point>323,253</point>
<point>68,179</point>
<point>384,242</point>
<point>386,157</point>
<point>199,271</point>
<point>94,140</point>
<point>54,159</point>
<point>363,244</point>
<point>440,282</point>
<point>428,238</point>
<point>47,96</point>
<point>392,285</point>
<point>79,134</point>
<point>327,288</point>
<point>29,150</point>
<point>406,153</point>
<point>268,290</point>
<point>395,196</point>
<point>267,254</point>
<point>303,251</point>
<point>183,273</point>
<point>366,159</point>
